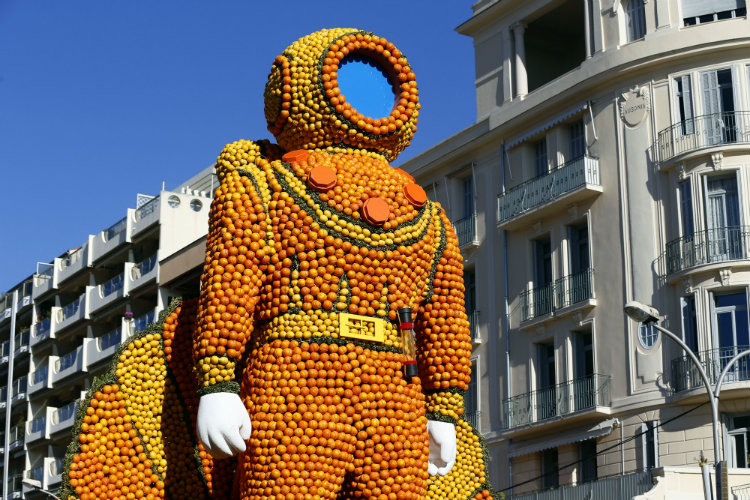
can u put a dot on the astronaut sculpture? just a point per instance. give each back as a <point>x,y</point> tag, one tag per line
<point>329,340</point>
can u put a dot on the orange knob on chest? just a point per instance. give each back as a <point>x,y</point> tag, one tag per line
<point>321,178</point>
<point>295,156</point>
<point>375,211</point>
<point>415,194</point>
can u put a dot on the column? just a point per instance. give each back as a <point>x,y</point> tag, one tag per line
<point>587,26</point>
<point>507,65</point>
<point>522,81</point>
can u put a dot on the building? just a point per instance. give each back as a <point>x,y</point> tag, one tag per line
<point>609,162</point>
<point>74,312</point>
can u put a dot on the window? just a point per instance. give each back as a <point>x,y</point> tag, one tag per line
<point>546,394</point>
<point>684,105</point>
<point>584,397</point>
<point>724,233</point>
<point>578,236</point>
<point>471,398</point>
<point>730,327</point>
<point>705,11</point>
<point>468,196</point>
<point>647,335</point>
<point>649,445</point>
<point>689,323</point>
<point>540,157</point>
<point>550,478</point>
<point>738,453</point>
<point>718,106</point>
<point>577,140</point>
<point>587,455</point>
<point>635,18</point>
<point>686,208</point>
<point>543,299</point>
<point>470,291</point>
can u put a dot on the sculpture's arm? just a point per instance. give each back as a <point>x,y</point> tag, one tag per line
<point>236,250</point>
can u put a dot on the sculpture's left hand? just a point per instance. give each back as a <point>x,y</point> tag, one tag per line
<point>442,447</point>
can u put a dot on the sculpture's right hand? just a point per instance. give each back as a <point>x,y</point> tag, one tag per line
<point>223,424</point>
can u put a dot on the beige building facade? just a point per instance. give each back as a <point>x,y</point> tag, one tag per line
<point>610,162</point>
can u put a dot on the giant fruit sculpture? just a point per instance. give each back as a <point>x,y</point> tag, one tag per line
<point>327,354</point>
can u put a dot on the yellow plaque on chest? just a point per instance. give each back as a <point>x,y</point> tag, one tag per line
<point>353,326</point>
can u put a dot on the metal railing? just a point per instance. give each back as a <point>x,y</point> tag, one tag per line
<point>685,375</point>
<point>73,257</point>
<point>38,424</point>
<point>66,361</point>
<point>109,339</point>
<point>719,244</point>
<point>473,418</point>
<point>473,317</point>
<point>71,309</point>
<point>705,131</point>
<point>558,294</point>
<point>142,322</point>
<point>20,385</point>
<point>48,271</point>
<point>561,399</point>
<point>741,492</point>
<point>115,229</point>
<point>17,433</point>
<point>147,208</point>
<point>625,486</point>
<point>22,339</point>
<point>545,188</point>
<point>143,267</point>
<point>41,374</point>
<point>111,286</point>
<point>36,474</point>
<point>65,413</point>
<point>466,230</point>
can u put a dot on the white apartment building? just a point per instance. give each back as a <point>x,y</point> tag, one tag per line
<point>74,311</point>
<point>610,162</point>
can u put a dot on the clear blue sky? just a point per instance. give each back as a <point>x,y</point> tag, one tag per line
<point>100,100</point>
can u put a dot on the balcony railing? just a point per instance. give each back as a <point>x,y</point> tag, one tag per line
<point>115,229</point>
<point>685,375</point>
<point>147,208</point>
<point>36,474</point>
<point>109,339</point>
<point>15,484</point>
<point>38,424</point>
<point>42,328</point>
<point>20,386</point>
<point>73,257</point>
<point>708,247</point>
<point>111,286</point>
<point>41,374</point>
<point>624,486</point>
<point>731,127</point>
<point>64,413</point>
<point>5,349</point>
<point>466,230</point>
<point>17,433</point>
<point>558,294</point>
<point>22,339</point>
<point>66,361</point>
<point>561,399</point>
<point>71,309</point>
<point>3,394</point>
<point>548,187</point>
<point>473,317</point>
<point>142,322</point>
<point>473,418</point>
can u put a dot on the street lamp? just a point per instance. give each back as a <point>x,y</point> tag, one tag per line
<point>650,316</point>
<point>32,483</point>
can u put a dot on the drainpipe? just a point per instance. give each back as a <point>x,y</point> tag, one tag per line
<point>9,393</point>
<point>507,308</point>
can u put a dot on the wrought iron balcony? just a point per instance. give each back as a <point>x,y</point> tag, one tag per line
<point>558,294</point>
<point>700,132</point>
<point>466,230</point>
<point>685,375</point>
<point>473,323</point>
<point>473,418</point>
<point>708,247</point>
<point>579,173</point>
<point>561,399</point>
<point>624,486</point>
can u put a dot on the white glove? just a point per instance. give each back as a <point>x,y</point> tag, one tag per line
<point>223,424</point>
<point>442,447</point>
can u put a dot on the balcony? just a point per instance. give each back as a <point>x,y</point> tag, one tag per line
<point>466,231</point>
<point>560,400</point>
<point>53,468</point>
<point>4,352</point>
<point>111,238</point>
<point>67,365</point>
<point>723,244</point>
<point>16,437</point>
<point>685,376</point>
<point>140,323</point>
<point>624,486</point>
<point>63,418</point>
<point>104,294</point>
<point>557,295</point>
<point>39,379</point>
<point>3,397</point>
<point>572,182</point>
<point>44,279</point>
<point>41,331</point>
<point>101,348</point>
<point>146,215</point>
<point>702,132</point>
<point>71,313</point>
<point>473,417</point>
<point>473,317</point>
<point>15,486</point>
<point>36,429</point>
<point>142,272</point>
<point>74,262</point>
<point>19,389</point>
<point>22,342</point>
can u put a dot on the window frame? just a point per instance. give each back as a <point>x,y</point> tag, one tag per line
<point>650,446</point>
<point>635,10</point>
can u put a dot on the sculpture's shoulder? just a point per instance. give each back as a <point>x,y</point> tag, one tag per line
<point>246,156</point>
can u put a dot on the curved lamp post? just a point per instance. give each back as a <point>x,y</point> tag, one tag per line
<point>650,316</point>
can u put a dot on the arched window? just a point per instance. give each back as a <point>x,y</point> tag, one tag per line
<point>635,19</point>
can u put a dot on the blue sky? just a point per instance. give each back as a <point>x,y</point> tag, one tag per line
<point>103,100</point>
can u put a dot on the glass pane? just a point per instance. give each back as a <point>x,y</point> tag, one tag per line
<point>740,451</point>
<point>725,324</point>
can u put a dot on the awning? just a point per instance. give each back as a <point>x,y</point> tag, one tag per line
<point>558,119</point>
<point>599,430</point>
